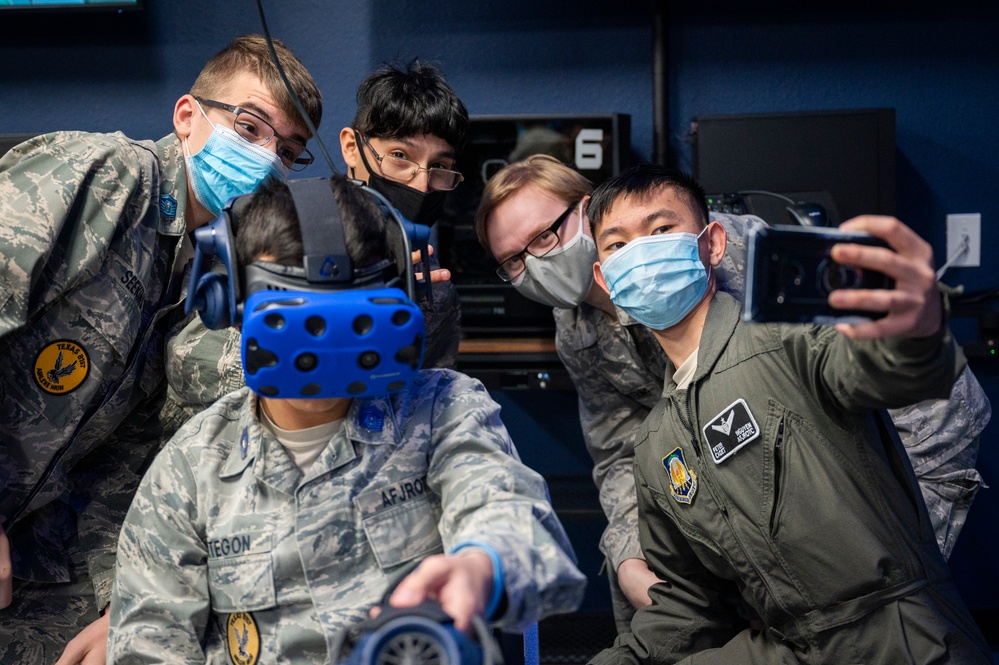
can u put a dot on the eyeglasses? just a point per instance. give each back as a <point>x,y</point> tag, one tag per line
<point>404,170</point>
<point>256,130</point>
<point>542,244</point>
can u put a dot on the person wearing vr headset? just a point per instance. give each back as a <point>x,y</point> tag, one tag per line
<point>93,251</point>
<point>767,471</point>
<point>618,368</point>
<point>278,518</point>
<point>412,124</point>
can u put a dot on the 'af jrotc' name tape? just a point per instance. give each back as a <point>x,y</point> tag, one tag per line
<point>387,496</point>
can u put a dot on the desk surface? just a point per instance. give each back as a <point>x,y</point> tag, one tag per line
<point>507,345</point>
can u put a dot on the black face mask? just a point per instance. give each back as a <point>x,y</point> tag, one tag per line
<point>416,206</point>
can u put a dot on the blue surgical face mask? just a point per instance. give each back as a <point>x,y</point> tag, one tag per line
<point>229,166</point>
<point>657,280</point>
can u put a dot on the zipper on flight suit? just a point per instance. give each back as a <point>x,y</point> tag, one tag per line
<point>689,419</point>
<point>778,444</point>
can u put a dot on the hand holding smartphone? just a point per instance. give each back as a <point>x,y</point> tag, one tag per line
<point>790,273</point>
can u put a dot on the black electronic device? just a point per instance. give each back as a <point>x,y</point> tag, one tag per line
<point>598,146</point>
<point>801,208</point>
<point>847,154</point>
<point>790,273</point>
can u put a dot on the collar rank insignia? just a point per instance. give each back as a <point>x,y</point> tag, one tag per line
<point>243,638</point>
<point>682,480</point>
<point>371,418</point>
<point>244,443</point>
<point>730,430</point>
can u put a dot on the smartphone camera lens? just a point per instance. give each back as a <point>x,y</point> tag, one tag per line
<point>834,276</point>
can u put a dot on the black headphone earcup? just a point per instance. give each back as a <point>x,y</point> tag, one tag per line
<point>211,299</point>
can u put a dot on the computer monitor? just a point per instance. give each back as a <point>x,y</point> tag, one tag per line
<point>848,154</point>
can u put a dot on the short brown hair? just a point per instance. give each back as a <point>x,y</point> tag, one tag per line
<point>541,171</point>
<point>251,54</point>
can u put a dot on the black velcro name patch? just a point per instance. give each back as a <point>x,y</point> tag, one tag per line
<point>730,430</point>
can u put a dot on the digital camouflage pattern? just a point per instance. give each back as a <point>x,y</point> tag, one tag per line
<point>617,368</point>
<point>230,551</point>
<point>89,242</point>
<point>203,365</point>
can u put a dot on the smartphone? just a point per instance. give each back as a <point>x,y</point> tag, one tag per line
<point>789,275</point>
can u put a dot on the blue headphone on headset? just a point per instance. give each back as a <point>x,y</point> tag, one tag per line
<point>324,329</point>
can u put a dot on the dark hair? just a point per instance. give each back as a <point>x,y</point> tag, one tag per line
<point>641,181</point>
<point>268,224</point>
<point>251,54</point>
<point>394,103</point>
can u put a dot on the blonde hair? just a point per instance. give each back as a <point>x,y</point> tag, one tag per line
<point>541,171</point>
<point>251,54</point>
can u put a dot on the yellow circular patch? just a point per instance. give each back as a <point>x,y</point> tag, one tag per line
<point>61,367</point>
<point>243,638</point>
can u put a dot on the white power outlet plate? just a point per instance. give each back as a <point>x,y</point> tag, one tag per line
<point>957,227</point>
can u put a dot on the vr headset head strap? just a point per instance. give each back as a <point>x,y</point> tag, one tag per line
<point>325,248</point>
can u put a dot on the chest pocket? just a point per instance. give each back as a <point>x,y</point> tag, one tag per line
<point>400,521</point>
<point>241,569</point>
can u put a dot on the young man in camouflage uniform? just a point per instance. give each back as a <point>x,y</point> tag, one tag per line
<point>618,368</point>
<point>94,244</point>
<point>765,474</point>
<point>267,527</point>
<point>403,114</point>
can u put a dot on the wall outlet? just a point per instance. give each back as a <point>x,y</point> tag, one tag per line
<point>959,226</point>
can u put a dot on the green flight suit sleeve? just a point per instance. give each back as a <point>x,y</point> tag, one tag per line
<point>858,375</point>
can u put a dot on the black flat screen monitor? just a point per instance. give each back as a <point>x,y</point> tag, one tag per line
<point>848,153</point>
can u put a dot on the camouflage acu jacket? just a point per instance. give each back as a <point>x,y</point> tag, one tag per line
<point>91,225</point>
<point>228,543</point>
<point>617,368</point>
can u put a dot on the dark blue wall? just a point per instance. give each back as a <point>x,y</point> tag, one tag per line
<point>938,66</point>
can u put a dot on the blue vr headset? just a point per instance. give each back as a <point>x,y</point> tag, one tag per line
<point>324,329</point>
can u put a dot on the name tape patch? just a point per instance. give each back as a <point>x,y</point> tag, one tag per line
<point>730,430</point>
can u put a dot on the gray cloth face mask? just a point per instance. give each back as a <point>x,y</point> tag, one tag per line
<point>563,277</point>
